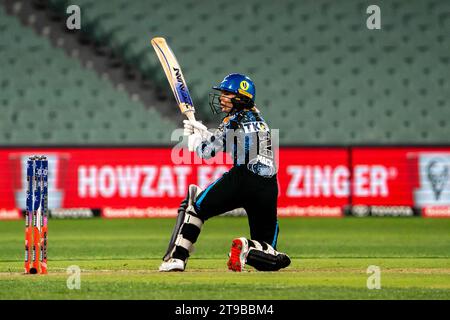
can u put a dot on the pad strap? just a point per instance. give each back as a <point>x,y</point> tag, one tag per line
<point>185,243</point>
<point>189,218</point>
<point>263,257</point>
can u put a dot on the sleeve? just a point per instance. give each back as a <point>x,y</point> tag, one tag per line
<point>217,142</point>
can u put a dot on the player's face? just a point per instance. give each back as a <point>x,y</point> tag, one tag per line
<point>225,101</point>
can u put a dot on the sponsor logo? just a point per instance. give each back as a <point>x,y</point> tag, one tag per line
<point>360,211</point>
<point>182,86</point>
<point>71,213</point>
<point>436,212</point>
<point>255,126</point>
<point>382,211</point>
<point>54,195</point>
<point>264,161</point>
<point>310,211</point>
<point>244,85</point>
<point>153,212</point>
<point>438,176</point>
<point>391,211</point>
<point>12,214</point>
<point>133,212</point>
<point>245,93</point>
<point>132,181</point>
<point>434,180</point>
<point>329,181</point>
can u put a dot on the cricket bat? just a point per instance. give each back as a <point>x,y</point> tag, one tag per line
<point>175,76</point>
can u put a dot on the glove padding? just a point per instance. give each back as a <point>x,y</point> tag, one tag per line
<point>196,132</point>
<point>193,126</point>
<point>194,140</point>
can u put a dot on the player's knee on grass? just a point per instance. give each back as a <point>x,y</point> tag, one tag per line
<point>263,257</point>
<point>187,228</point>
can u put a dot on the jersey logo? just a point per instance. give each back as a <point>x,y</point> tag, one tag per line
<point>244,85</point>
<point>226,120</point>
<point>255,126</point>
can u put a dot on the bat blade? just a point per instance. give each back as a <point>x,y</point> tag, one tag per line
<point>175,76</point>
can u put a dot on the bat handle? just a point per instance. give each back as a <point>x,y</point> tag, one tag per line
<point>190,115</point>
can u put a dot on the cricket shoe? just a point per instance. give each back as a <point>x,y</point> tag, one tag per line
<point>172,265</point>
<point>238,254</point>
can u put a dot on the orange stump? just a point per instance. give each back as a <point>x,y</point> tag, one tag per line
<point>28,239</point>
<point>36,216</point>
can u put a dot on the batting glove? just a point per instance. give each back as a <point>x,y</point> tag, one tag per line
<point>194,140</point>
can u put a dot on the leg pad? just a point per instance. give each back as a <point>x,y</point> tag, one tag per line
<point>264,258</point>
<point>187,227</point>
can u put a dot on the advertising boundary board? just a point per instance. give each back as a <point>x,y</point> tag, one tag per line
<point>143,182</point>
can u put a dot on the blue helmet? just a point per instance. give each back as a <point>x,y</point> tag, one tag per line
<point>239,84</point>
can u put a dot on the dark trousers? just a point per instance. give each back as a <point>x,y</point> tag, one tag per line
<point>241,188</point>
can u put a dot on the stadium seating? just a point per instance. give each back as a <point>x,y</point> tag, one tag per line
<point>48,98</point>
<point>318,70</point>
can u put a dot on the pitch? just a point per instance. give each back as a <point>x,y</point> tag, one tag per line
<point>119,260</point>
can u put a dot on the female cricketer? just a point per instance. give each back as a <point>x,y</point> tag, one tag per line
<point>250,184</point>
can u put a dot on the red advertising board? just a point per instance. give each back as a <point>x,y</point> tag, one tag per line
<point>313,181</point>
<point>415,177</point>
<point>105,177</point>
<point>381,177</point>
<point>148,182</point>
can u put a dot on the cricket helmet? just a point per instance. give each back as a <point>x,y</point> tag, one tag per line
<point>236,83</point>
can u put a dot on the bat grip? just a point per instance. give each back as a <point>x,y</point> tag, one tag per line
<point>190,115</point>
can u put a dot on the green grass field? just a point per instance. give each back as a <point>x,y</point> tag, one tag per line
<point>119,260</point>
